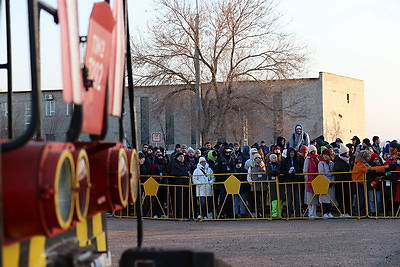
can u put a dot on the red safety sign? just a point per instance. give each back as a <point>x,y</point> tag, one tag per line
<point>156,137</point>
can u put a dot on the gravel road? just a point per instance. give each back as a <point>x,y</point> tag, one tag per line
<point>329,242</point>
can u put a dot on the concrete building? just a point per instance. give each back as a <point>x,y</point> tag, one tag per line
<point>330,105</point>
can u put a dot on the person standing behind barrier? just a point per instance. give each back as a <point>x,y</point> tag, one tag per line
<point>273,171</point>
<point>298,138</point>
<point>277,151</point>
<point>281,142</point>
<point>374,187</point>
<point>376,145</point>
<point>325,166</point>
<point>342,190</point>
<point>249,162</point>
<point>256,174</point>
<point>240,202</point>
<point>212,157</point>
<point>361,167</point>
<point>203,175</point>
<point>264,148</point>
<point>225,164</point>
<point>246,153</point>
<point>310,166</point>
<point>290,167</point>
<point>159,169</point>
<point>181,192</point>
<point>237,152</point>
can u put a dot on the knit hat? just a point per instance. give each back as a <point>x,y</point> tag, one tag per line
<point>311,148</point>
<point>343,149</point>
<point>190,149</point>
<point>201,159</point>
<point>326,152</point>
<point>237,161</point>
<point>256,156</point>
<point>338,140</point>
<point>303,149</point>
<point>374,156</point>
<point>184,146</point>
<point>273,156</point>
<point>298,126</point>
<point>141,155</point>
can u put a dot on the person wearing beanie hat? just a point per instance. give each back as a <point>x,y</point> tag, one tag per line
<point>184,149</point>
<point>325,166</point>
<point>248,163</point>
<point>301,156</point>
<point>343,149</point>
<point>310,166</point>
<point>176,150</point>
<point>190,159</point>
<point>374,187</point>
<point>225,165</point>
<point>299,138</point>
<point>204,177</point>
<point>273,171</point>
<point>361,167</point>
<point>240,199</point>
<point>312,148</point>
<point>342,190</point>
<point>197,153</point>
<point>257,173</point>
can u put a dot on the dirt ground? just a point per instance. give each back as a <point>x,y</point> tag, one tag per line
<point>329,242</point>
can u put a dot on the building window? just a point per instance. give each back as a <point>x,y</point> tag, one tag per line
<point>50,108</point>
<point>28,113</point>
<point>70,109</point>
<point>348,98</point>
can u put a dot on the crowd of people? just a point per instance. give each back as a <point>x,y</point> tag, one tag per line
<point>291,163</point>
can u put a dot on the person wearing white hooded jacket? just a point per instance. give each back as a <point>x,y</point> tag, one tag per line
<point>203,175</point>
<point>249,162</point>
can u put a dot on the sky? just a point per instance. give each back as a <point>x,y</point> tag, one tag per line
<point>354,38</point>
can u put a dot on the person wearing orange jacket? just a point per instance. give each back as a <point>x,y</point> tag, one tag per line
<point>361,167</point>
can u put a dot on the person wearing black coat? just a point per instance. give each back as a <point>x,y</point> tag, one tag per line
<point>240,202</point>
<point>342,163</point>
<point>224,165</point>
<point>181,198</point>
<point>290,167</point>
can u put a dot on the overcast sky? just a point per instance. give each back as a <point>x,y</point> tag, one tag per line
<point>354,38</point>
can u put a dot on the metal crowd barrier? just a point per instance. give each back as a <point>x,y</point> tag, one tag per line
<point>178,198</point>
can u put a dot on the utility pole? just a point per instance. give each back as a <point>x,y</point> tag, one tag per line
<point>197,73</point>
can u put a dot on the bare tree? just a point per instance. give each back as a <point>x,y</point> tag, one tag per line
<point>240,40</point>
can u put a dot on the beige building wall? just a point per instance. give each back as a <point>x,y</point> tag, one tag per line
<point>343,107</point>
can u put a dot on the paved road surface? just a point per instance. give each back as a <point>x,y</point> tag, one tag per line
<point>334,242</point>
